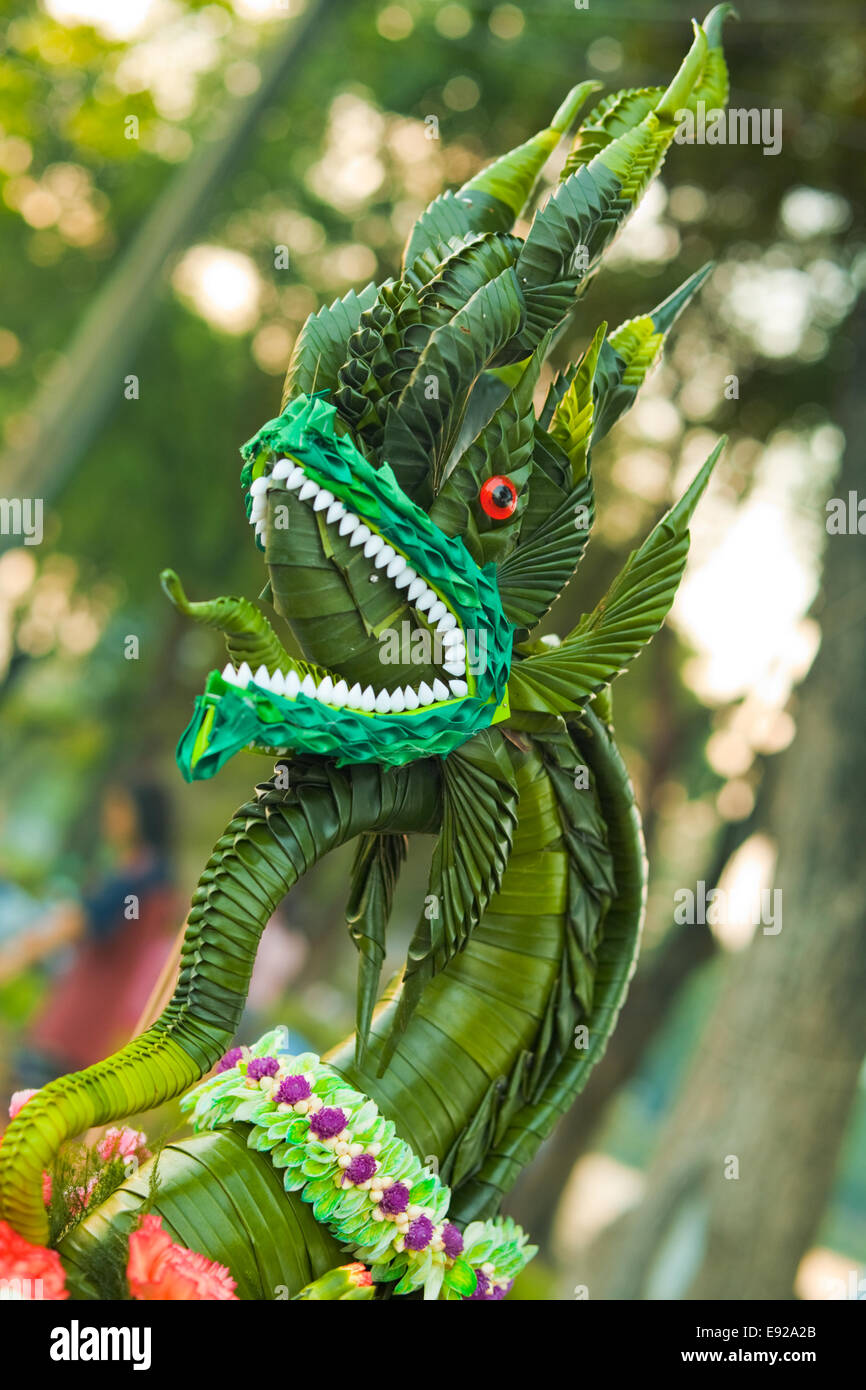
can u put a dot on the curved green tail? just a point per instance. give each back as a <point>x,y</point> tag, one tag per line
<point>266,847</point>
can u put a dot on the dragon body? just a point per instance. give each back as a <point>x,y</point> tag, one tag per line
<point>418,517</point>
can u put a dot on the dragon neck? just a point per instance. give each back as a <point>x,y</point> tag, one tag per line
<point>266,847</point>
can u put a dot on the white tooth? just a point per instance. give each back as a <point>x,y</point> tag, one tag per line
<point>398,703</point>
<point>258,509</point>
<point>383,702</point>
<point>416,589</point>
<point>348,524</point>
<point>278,683</point>
<point>335,511</point>
<point>396,566</point>
<point>293,684</point>
<point>456,654</point>
<point>341,695</point>
<point>451,636</point>
<point>446,624</point>
<point>308,687</point>
<point>425,694</point>
<point>282,469</point>
<point>295,478</point>
<point>263,677</point>
<point>258,486</point>
<point>229,674</point>
<point>459,688</point>
<point>385,554</point>
<point>325,690</point>
<point>368,700</point>
<point>309,489</point>
<point>361,535</point>
<point>427,599</point>
<point>244,673</point>
<point>373,546</point>
<point>440,691</point>
<point>454,668</point>
<point>405,578</point>
<point>324,498</point>
<point>436,612</point>
<point>353,699</point>
<point>411,698</point>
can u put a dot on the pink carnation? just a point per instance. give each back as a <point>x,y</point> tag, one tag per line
<point>123,1143</point>
<point>19,1100</point>
<point>39,1271</point>
<point>159,1270</point>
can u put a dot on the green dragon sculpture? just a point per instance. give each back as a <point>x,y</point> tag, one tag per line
<point>417,520</point>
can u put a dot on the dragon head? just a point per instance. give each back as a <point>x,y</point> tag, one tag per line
<point>416,514</point>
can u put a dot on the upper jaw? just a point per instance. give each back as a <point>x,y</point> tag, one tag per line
<point>446,677</point>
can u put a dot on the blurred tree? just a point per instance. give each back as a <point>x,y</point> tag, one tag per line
<point>748,1158</point>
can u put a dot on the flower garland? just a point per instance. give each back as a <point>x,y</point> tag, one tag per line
<point>363,1182</point>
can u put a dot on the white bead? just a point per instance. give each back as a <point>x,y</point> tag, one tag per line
<point>455,668</point>
<point>360,535</point>
<point>459,689</point>
<point>398,703</point>
<point>258,486</point>
<point>446,624</point>
<point>425,694</point>
<point>427,599</point>
<point>452,637</point>
<point>335,511</point>
<point>440,691</point>
<point>383,702</point>
<point>282,469</point>
<point>295,478</point>
<point>308,687</point>
<point>368,700</point>
<point>353,699</point>
<point>405,578</point>
<point>411,698</point>
<point>386,554</point>
<point>396,566</point>
<point>436,612</point>
<point>325,690</point>
<point>338,698</point>
<point>324,498</point>
<point>309,489</point>
<point>293,684</point>
<point>349,523</point>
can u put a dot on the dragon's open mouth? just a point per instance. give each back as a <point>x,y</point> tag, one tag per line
<point>381,562</point>
<point>411,654</point>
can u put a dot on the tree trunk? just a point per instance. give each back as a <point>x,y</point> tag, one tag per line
<point>748,1159</point>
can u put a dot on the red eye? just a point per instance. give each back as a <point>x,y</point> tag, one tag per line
<point>498,497</point>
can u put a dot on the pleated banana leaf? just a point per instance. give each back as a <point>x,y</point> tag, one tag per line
<point>216,1196</point>
<point>606,640</point>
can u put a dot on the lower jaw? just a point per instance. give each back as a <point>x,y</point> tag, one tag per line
<point>228,720</point>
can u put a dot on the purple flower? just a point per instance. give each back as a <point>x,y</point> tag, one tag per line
<point>419,1234</point>
<point>328,1121</point>
<point>362,1168</point>
<point>231,1059</point>
<point>395,1199</point>
<point>500,1290</point>
<point>452,1240</point>
<point>482,1286</point>
<point>262,1066</point>
<point>292,1089</point>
